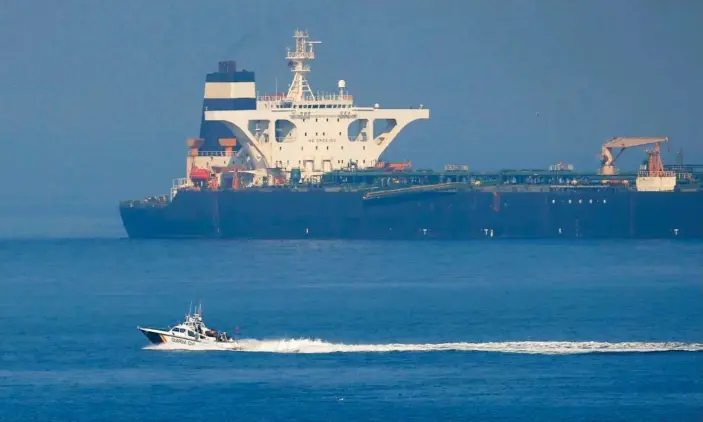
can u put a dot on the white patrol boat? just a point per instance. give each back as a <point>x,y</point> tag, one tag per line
<point>190,332</point>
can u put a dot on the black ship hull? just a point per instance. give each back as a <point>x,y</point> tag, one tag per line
<point>460,215</point>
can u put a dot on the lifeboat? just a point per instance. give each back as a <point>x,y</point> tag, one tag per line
<point>199,175</point>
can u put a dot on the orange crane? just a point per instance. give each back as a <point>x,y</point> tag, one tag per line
<point>608,161</point>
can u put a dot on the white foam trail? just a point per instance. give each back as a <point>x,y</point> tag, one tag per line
<point>318,346</point>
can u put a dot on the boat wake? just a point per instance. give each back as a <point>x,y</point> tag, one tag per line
<point>317,346</point>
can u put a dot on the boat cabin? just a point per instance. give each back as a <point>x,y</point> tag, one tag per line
<point>181,331</point>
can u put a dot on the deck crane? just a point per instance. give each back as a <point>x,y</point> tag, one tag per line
<point>607,159</point>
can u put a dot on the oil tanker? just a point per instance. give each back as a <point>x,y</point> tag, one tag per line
<point>299,165</point>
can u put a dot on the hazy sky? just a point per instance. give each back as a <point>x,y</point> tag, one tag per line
<point>98,97</point>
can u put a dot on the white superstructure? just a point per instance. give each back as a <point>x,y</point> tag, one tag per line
<point>662,181</point>
<point>315,133</point>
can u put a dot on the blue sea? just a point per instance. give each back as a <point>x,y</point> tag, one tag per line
<point>336,330</point>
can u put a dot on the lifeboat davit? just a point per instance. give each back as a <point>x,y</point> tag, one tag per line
<point>199,175</point>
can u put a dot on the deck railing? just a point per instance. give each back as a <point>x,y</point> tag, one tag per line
<point>321,97</point>
<point>647,173</point>
<point>216,153</point>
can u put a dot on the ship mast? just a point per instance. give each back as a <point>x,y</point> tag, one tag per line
<point>296,59</point>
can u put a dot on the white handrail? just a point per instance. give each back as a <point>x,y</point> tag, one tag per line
<point>647,173</point>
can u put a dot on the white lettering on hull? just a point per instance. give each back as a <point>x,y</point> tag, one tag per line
<point>180,341</point>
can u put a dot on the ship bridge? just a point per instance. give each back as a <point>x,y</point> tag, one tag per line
<point>314,132</point>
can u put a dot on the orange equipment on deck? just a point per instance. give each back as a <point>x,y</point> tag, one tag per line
<point>228,144</point>
<point>194,144</point>
<point>398,166</point>
<point>199,175</point>
<point>608,160</point>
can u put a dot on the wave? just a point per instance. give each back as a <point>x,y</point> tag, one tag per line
<point>317,346</point>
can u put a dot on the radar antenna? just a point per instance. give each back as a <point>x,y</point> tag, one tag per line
<point>300,87</point>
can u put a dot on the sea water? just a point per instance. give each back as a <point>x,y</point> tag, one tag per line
<point>338,330</point>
